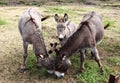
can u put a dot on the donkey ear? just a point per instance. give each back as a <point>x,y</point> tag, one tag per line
<point>56,17</point>
<point>65,17</point>
<point>56,44</point>
<point>51,44</point>
<point>50,51</point>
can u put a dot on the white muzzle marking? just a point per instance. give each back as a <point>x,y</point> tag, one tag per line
<point>50,71</point>
<point>59,74</point>
<point>61,36</point>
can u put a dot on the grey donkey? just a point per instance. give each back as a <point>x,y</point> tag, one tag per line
<point>30,29</point>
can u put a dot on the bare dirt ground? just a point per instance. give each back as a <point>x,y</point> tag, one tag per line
<point>11,49</point>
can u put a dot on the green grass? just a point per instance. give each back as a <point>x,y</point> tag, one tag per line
<point>111,5</point>
<point>114,61</point>
<point>59,9</point>
<point>32,67</point>
<point>92,74</point>
<point>112,22</point>
<point>2,21</point>
<point>31,62</point>
<point>3,3</point>
<point>35,3</point>
<point>109,48</point>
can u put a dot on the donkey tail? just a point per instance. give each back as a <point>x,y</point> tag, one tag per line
<point>106,26</point>
<point>44,18</point>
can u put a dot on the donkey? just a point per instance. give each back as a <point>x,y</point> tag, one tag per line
<point>30,30</point>
<point>65,28</point>
<point>89,33</point>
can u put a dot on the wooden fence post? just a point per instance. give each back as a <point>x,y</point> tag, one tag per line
<point>113,79</point>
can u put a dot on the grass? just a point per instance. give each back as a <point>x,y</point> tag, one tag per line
<point>2,21</point>
<point>59,9</point>
<point>3,3</point>
<point>12,50</point>
<point>92,75</point>
<point>114,61</point>
<point>35,3</point>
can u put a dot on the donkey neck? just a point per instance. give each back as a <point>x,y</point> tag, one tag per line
<point>70,28</point>
<point>38,43</point>
<point>82,38</point>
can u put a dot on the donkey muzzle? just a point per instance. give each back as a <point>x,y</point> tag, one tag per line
<point>61,37</point>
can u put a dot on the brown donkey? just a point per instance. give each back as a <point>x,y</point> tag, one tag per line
<point>90,32</point>
<point>30,30</point>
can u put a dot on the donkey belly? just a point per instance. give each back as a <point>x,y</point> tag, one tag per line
<point>99,37</point>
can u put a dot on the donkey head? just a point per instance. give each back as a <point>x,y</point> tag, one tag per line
<point>48,62</point>
<point>62,61</point>
<point>62,64</point>
<point>61,25</point>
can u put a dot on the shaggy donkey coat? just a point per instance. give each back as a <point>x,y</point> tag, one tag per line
<point>89,33</point>
<point>30,30</point>
<point>65,28</point>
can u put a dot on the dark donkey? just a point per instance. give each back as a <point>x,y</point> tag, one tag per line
<point>89,33</point>
<point>30,30</point>
<point>65,28</point>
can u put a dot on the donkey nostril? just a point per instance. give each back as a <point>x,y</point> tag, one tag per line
<point>60,39</point>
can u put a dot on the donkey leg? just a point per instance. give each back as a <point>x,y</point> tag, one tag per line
<point>82,53</point>
<point>97,58</point>
<point>25,46</point>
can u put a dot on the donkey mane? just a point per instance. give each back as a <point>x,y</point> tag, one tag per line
<point>89,33</point>
<point>66,48</point>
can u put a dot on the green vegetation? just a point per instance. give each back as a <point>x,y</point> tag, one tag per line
<point>111,5</point>
<point>92,74</point>
<point>3,3</point>
<point>31,61</point>
<point>32,67</point>
<point>35,3</point>
<point>2,21</point>
<point>109,48</point>
<point>114,61</point>
<point>59,9</point>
